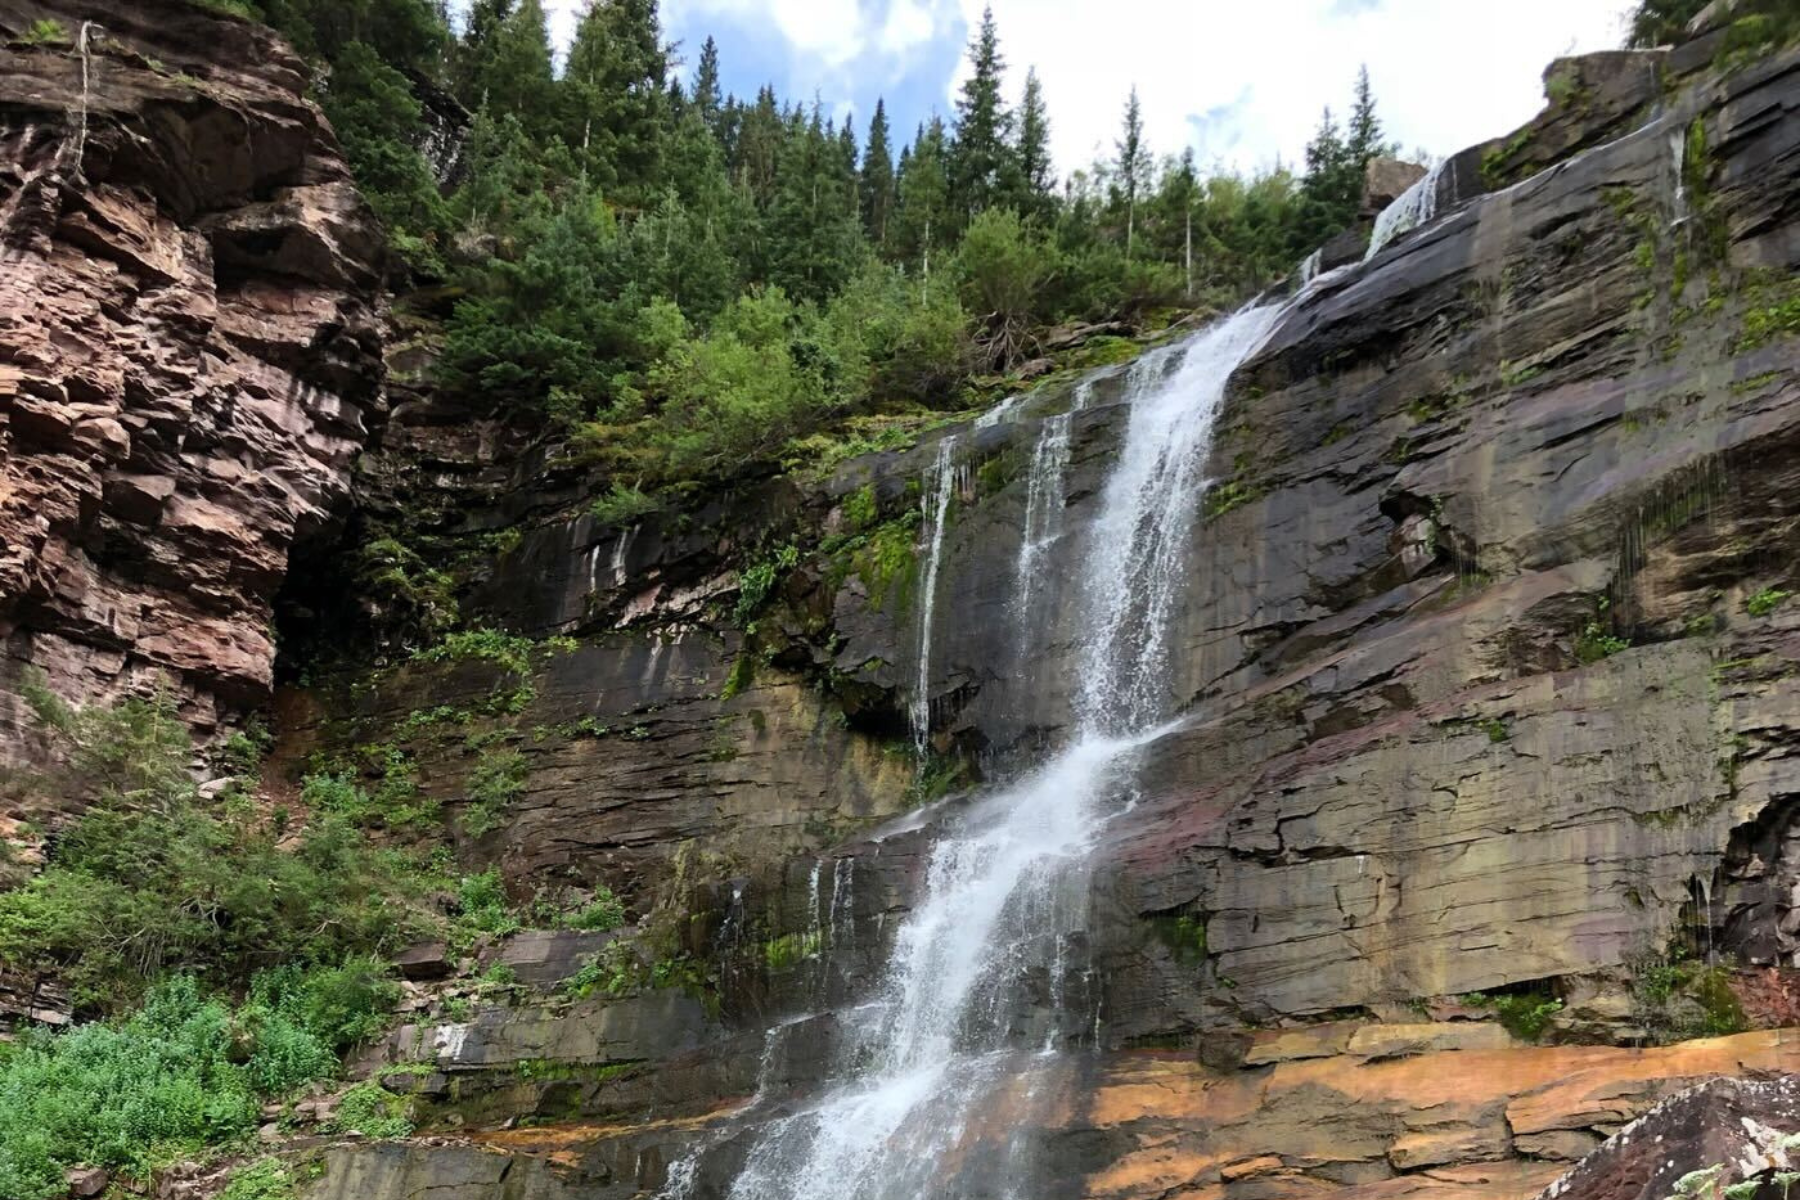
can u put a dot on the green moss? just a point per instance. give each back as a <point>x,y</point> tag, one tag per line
<point>1496,730</point>
<point>1765,602</point>
<point>887,562</point>
<point>1106,351</point>
<point>743,674</point>
<point>1226,496</point>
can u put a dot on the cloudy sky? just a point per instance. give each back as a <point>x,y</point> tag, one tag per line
<point>1242,82</point>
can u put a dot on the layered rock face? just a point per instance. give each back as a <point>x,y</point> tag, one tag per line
<point>189,350</point>
<point>1485,665</point>
<point>1487,675</point>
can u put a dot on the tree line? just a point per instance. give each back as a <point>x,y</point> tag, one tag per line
<point>692,278</point>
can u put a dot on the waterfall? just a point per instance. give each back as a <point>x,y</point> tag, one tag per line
<point>1309,267</point>
<point>1045,495</point>
<point>956,1030</point>
<point>1412,208</point>
<point>939,485</point>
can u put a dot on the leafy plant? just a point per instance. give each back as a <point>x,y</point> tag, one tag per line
<point>373,1111</point>
<point>623,505</point>
<point>1766,601</point>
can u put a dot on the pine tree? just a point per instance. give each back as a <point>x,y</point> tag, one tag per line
<point>876,187</point>
<point>1036,184</point>
<point>706,86</point>
<point>923,197</point>
<point>616,109</point>
<point>1134,165</point>
<point>518,78</point>
<point>981,156</point>
<point>1365,140</point>
<point>473,58</point>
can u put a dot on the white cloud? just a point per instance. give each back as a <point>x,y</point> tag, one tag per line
<point>1241,83</point>
<point>1447,73</point>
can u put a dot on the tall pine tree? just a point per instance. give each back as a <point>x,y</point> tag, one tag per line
<point>923,191</point>
<point>981,156</point>
<point>518,80</point>
<point>616,107</point>
<point>1133,165</point>
<point>876,187</point>
<point>1035,190</point>
<point>707,97</point>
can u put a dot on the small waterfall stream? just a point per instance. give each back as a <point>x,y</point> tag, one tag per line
<point>952,1029</point>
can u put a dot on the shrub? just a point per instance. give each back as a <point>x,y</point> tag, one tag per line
<point>166,1082</point>
<point>483,906</point>
<point>264,1179</point>
<point>604,912</point>
<point>373,1111</point>
<point>1765,602</point>
<point>498,780</point>
<point>623,506</point>
<point>151,880</point>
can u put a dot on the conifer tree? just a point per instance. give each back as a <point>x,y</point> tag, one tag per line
<point>923,189</point>
<point>518,79</point>
<point>1133,165</point>
<point>616,109</point>
<point>981,157</point>
<point>876,187</point>
<point>707,97</point>
<point>1035,191</point>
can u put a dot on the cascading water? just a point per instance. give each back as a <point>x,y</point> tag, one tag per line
<point>1412,208</point>
<point>954,1029</point>
<point>1044,499</point>
<point>940,485</point>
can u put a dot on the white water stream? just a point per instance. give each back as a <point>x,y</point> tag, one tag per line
<point>950,1028</point>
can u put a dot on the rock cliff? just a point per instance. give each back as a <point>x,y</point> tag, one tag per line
<point>189,349</point>
<point>1487,696</point>
<point>1475,843</point>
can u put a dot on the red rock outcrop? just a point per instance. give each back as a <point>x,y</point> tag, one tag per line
<point>189,348</point>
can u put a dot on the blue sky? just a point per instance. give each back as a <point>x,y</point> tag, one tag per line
<point>1242,84</point>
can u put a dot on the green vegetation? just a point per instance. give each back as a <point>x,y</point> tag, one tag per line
<point>264,1179</point>
<point>757,583</point>
<point>623,506</point>
<point>152,880</point>
<point>695,284</point>
<point>183,1074</point>
<point>788,951</point>
<point>1766,601</point>
<point>497,780</point>
<point>46,31</point>
<point>1677,997</point>
<point>373,1111</point>
<point>1525,1015</point>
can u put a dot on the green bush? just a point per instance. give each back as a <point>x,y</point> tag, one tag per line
<point>264,1179</point>
<point>1765,602</point>
<point>604,912</point>
<point>373,1111</point>
<point>497,780</point>
<point>622,505</point>
<point>151,880</point>
<point>483,906</point>
<point>181,1075</point>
